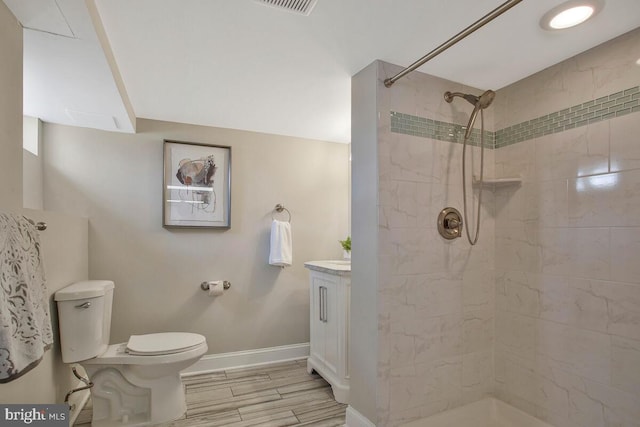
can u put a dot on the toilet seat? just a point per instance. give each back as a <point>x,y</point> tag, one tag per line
<point>163,343</point>
<point>118,354</point>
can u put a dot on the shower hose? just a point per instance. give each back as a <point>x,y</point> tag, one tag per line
<point>464,177</point>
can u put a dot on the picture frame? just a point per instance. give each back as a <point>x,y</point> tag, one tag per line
<point>196,185</point>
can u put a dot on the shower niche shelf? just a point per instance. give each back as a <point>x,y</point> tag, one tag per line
<point>493,183</point>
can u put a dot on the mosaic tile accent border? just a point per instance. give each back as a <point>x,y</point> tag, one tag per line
<point>604,108</point>
<point>607,107</point>
<point>435,129</point>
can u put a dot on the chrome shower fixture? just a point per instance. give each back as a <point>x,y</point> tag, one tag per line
<point>479,102</point>
<point>482,101</point>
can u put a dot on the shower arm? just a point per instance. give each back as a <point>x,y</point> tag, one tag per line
<point>453,40</point>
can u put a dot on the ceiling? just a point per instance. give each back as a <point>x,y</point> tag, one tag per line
<point>67,76</point>
<point>239,64</point>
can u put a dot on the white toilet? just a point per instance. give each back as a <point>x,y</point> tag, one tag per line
<point>135,383</point>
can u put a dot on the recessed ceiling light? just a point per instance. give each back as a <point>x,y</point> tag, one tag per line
<point>570,14</point>
<point>571,17</point>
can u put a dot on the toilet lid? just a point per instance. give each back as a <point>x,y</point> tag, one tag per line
<point>163,343</point>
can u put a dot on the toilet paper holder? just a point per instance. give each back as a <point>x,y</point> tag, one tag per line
<point>205,285</point>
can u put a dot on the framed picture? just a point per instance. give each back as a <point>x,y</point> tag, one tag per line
<point>197,185</point>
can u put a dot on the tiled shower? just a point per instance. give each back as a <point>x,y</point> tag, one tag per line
<point>567,277</point>
<point>544,312</point>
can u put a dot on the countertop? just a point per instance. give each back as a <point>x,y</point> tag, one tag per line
<point>338,267</point>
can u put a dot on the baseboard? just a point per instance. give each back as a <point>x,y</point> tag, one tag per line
<point>356,419</point>
<point>240,359</point>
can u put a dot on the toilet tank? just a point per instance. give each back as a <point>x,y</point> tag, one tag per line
<point>84,318</point>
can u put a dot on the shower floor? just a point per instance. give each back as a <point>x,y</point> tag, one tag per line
<point>488,412</point>
<point>276,395</point>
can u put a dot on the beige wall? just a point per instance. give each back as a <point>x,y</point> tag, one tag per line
<point>567,250</point>
<point>10,110</point>
<point>65,258</point>
<point>64,244</point>
<point>116,181</point>
<point>32,165</point>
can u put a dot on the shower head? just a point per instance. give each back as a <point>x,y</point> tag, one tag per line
<point>482,101</point>
<point>486,99</point>
<point>479,103</point>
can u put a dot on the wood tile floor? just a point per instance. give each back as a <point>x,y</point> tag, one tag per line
<point>275,395</point>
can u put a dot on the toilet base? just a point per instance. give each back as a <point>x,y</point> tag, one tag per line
<point>121,398</point>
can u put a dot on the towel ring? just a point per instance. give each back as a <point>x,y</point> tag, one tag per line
<point>279,208</point>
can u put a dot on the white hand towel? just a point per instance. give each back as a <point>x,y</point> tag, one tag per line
<point>25,325</point>
<point>281,252</point>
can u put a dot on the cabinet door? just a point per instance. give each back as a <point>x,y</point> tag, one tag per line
<point>316,323</point>
<point>324,321</point>
<point>331,326</point>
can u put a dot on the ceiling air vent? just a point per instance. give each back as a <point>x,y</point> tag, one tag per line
<point>302,7</point>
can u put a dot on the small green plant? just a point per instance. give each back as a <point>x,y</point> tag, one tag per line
<point>346,244</point>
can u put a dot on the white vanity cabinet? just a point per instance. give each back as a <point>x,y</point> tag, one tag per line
<point>330,290</point>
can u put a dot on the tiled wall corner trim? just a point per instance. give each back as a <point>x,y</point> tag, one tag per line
<point>603,108</point>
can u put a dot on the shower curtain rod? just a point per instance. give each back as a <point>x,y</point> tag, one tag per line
<point>453,40</point>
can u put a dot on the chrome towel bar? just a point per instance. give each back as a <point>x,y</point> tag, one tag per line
<point>40,226</point>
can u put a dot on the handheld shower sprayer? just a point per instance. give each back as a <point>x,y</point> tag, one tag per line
<point>479,103</point>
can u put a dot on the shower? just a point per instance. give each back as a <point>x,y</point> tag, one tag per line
<point>479,104</point>
<point>449,221</point>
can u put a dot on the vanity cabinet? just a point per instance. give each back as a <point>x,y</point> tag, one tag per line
<point>330,290</point>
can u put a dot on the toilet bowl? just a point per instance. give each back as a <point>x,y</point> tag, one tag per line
<point>136,382</point>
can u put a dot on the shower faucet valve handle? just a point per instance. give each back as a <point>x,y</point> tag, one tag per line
<point>450,223</point>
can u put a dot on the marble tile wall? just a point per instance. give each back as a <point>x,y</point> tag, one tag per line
<point>567,249</point>
<point>545,311</point>
<point>436,297</point>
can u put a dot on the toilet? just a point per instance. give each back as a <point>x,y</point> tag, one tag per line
<point>135,382</point>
